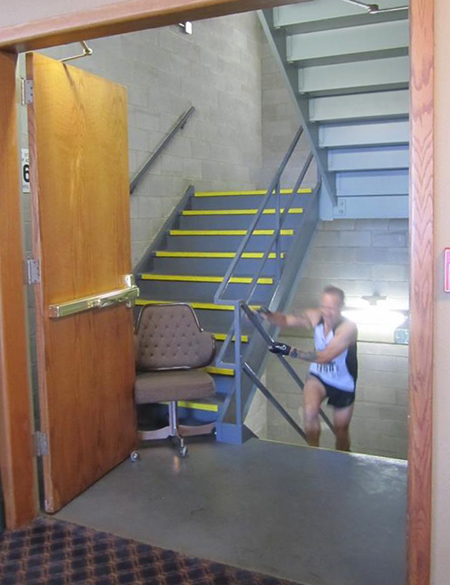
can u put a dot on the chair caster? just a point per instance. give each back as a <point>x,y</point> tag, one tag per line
<point>183,451</point>
<point>135,456</point>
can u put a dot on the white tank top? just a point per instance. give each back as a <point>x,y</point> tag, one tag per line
<point>342,371</point>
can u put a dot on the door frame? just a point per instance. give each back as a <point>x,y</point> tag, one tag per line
<point>135,15</point>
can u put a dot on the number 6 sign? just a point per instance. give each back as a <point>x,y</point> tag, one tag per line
<point>25,171</point>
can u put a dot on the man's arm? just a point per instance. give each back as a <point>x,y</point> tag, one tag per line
<point>344,337</point>
<point>306,319</point>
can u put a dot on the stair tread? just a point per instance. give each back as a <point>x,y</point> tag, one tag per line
<point>249,193</point>
<point>193,303</point>
<point>219,337</point>
<point>226,212</point>
<point>219,371</point>
<point>203,278</point>
<point>243,232</point>
<point>212,404</point>
<point>183,254</point>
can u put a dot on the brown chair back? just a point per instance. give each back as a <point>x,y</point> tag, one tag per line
<point>170,337</point>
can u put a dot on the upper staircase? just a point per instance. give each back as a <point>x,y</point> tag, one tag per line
<point>348,71</point>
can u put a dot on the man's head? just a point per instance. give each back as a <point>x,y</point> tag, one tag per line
<point>333,299</point>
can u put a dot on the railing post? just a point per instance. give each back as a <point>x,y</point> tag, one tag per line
<point>238,363</point>
<point>277,231</point>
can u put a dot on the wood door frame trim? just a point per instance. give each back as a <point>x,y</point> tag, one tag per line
<point>123,17</point>
<point>422,292</point>
<point>16,449</point>
<point>422,193</point>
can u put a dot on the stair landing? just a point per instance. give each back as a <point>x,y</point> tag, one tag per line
<point>309,515</point>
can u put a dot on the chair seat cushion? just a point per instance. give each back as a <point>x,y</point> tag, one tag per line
<point>172,385</point>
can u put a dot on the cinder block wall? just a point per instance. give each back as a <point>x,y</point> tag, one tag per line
<point>280,121</point>
<point>217,69</point>
<point>361,257</point>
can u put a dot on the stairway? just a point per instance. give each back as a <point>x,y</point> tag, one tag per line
<point>193,251</point>
<point>348,71</point>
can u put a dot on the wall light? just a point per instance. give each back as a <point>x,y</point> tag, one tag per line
<point>186,26</point>
<point>373,315</point>
<point>376,320</point>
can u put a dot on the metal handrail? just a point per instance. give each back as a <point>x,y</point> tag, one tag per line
<point>374,8</point>
<point>264,202</point>
<point>239,366</point>
<point>269,247</point>
<point>179,125</point>
<point>274,186</point>
<point>281,221</point>
<point>87,52</point>
<point>254,378</point>
<point>268,339</point>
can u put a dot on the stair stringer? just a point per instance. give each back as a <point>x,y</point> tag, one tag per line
<point>277,41</point>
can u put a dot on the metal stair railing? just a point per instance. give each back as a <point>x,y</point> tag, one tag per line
<point>179,125</point>
<point>274,241</point>
<point>234,332</point>
<point>255,320</point>
<point>274,186</point>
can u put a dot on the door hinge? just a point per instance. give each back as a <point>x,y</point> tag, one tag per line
<point>27,92</point>
<point>40,444</point>
<point>32,271</point>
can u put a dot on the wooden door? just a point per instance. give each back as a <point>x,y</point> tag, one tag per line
<point>81,238</point>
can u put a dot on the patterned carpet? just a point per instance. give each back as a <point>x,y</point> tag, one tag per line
<point>51,552</point>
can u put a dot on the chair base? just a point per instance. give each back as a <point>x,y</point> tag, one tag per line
<point>176,430</point>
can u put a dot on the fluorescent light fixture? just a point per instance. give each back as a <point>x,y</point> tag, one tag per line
<point>186,26</point>
<point>375,315</point>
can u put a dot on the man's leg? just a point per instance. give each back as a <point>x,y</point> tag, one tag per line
<point>313,395</point>
<point>342,418</point>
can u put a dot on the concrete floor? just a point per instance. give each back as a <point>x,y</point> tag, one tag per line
<point>313,516</point>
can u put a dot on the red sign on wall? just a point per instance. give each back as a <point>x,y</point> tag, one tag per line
<point>447,269</point>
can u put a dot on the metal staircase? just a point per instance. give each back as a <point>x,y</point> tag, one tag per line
<point>218,250</point>
<point>348,71</point>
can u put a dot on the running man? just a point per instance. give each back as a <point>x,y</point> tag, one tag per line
<point>334,367</point>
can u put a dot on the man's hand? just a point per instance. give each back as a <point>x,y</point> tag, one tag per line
<point>280,348</point>
<point>264,312</point>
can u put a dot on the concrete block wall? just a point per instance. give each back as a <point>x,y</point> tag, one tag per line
<point>217,69</point>
<point>280,121</point>
<point>362,257</point>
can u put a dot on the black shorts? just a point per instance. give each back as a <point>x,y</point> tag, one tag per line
<point>337,398</point>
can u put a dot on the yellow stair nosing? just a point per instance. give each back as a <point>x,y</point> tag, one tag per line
<point>195,405</point>
<point>204,279</point>
<point>225,212</point>
<point>240,193</point>
<point>219,371</point>
<point>223,336</point>
<point>268,232</point>
<point>201,306</point>
<point>217,255</point>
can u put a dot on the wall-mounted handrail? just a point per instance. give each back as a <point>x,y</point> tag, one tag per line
<point>374,8</point>
<point>87,52</point>
<point>179,125</point>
